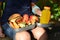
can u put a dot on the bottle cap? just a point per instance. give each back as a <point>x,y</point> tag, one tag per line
<point>46,7</point>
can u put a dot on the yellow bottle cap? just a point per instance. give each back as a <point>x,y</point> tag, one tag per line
<point>46,7</point>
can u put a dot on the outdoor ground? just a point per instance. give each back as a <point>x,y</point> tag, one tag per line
<point>5,38</point>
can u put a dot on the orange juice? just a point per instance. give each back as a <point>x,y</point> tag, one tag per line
<point>45,16</point>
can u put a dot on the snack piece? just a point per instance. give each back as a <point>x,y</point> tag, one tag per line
<point>21,24</point>
<point>19,20</point>
<point>14,16</point>
<point>15,26</point>
<point>33,19</point>
<point>28,22</point>
<point>25,17</point>
<point>12,20</point>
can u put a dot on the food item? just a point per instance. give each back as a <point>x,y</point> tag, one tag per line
<point>19,20</point>
<point>14,16</point>
<point>33,19</point>
<point>21,25</point>
<point>22,22</point>
<point>28,22</point>
<point>12,20</point>
<point>15,26</point>
<point>25,17</point>
<point>45,17</point>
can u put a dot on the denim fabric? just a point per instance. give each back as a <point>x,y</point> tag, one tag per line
<point>1,0</point>
<point>8,30</point>
<point>15,6</point>
<point>9,12</point>
<point>34,0</point>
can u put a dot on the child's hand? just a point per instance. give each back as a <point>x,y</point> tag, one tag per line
<point>36,10</point>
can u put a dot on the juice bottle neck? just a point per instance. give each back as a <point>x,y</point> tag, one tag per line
<point>46,8</point>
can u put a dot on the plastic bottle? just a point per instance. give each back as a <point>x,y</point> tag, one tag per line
<point>45,16</point>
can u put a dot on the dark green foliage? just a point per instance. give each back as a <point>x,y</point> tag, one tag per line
<point>55,9</point>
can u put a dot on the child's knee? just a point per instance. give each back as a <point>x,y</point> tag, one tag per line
<point>38,32</point>
<point>22,36</point>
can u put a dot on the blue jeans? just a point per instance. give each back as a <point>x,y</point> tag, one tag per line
<point>8,30</point>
